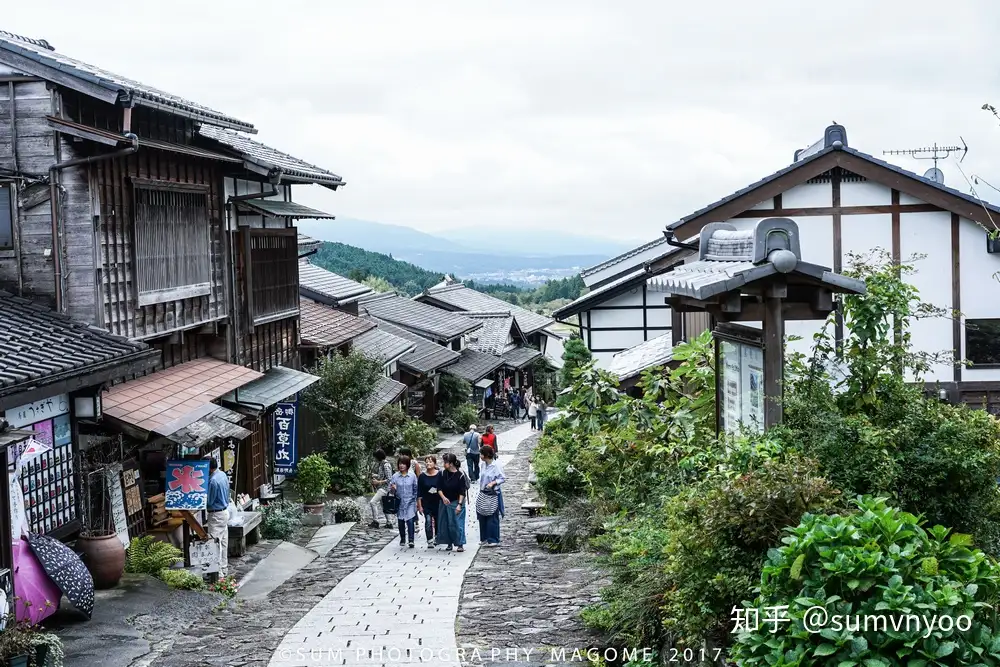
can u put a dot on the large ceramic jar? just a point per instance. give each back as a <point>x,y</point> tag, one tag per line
<point>104,556</point>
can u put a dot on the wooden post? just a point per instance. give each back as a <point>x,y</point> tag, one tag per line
<point>774,360</point>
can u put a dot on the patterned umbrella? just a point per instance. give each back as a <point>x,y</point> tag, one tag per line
<point>37,595</point>
<point>66,569</point>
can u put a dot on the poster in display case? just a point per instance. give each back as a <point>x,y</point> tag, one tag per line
<point>739,362</point>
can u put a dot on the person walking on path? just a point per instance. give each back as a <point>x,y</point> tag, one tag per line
<point>428,500</point>
<point>515,405</point>
<point>532,412</point>
<point>381,474</point>
<point>218,513</point>
<point>488,500</point>
<point>415,467</point>
<point>489,438</point>
<point>540,415</point>
<point>405,487</point>
<point>451,512</point>
<point>472,441</point>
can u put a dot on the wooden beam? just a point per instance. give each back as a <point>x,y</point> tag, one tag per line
<point>836,210</point>
<point>956,295</point>
<point>838,247</point>
<point>754,312</point>
<point>194,525</point>
<point>58,76</point>
<point>774,361</point>
<point>895,227</point>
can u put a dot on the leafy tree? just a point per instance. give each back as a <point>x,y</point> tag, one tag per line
<point>359,264</point>
<point>575,355</point>
<point>411,288</point>
<point>378,284</point>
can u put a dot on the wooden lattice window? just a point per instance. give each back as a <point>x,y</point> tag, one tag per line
<point>272,274</point>
<point>173,249</point>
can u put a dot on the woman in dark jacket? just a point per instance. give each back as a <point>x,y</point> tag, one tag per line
<point>452,491</point>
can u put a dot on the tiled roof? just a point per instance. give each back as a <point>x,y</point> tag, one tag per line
<point>307,243</point>
<point>154,401</point>
<point>219,423</point>
<point>282,209</point>
<point>277,384</point>
<point>265,157</point>
<point>427,356</point>
<point>474,366</point>
<point>595,296</point>
<point>37,344</point>
<point>40,58</point>
<point>328,287</point>
<point>655,243</point>
<point>418,317</point>
<point>632,362</point>
<point>520,357</point>
<point>460,297</point>
<point>493,336</point>
<point>326,326</point>
<point>385,392</point>
<point>382,345</point>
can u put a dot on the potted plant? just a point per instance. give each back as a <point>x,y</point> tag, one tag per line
<point>312,479</point>
<point>100,549</point>
<point>23,644</point>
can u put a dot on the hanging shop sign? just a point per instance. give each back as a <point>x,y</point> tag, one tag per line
<point>32,413</point>
<point>187,485</point>
<point>739,375</point>
<point>285,446</point>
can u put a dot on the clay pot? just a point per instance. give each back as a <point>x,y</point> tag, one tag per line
<point>104,556</point>
<point>313,509</point>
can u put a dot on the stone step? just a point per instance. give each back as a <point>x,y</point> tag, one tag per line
<point>327,537</point>
<point>278,567</point>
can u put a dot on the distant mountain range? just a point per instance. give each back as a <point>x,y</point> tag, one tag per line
<point>494,254</point>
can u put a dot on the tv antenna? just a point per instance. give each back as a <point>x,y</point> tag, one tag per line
<point>934,152</point>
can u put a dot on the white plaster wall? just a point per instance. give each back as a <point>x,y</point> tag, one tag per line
<point>861,234</point>
<point>616,318</point>
<point>807,195</point>
<point>603,358</point>
<point>930,234</point>
<point>907,199</point>
<point>658,317</point>
<point>766,204</point>
<point>614,340</point>
<point>865,194</point>
<point>980,288</point>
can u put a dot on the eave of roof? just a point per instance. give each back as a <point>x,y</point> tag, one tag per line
<point>662,241</point>
<point>281,209</point>
<point>852,160</point>
<point>602,293</point>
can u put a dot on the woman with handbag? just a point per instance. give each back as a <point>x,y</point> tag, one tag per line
<point>380,476</point>
<point>488,500</point>
<point>452,491</point>
<point>404,487</point>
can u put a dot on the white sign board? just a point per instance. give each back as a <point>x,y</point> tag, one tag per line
<point>741,387</point>
<point>29,413</point>
<point>112,481</point>
<point>204,556</point>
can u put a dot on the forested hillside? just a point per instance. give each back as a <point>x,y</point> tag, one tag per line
<point>364,265</point>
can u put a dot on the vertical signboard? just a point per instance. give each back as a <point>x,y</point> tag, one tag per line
<point>285,446</point>
<point>740,378</point>
<point>119,517</point>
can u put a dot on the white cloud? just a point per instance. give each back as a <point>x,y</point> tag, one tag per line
<point>595,117</point>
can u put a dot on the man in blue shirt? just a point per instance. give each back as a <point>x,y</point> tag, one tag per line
<point>218,513</point>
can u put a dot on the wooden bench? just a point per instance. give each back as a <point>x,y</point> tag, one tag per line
<point>248,533</point>
<point>533,508</point>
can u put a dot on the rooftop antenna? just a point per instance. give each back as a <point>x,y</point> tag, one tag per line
<point>934,153</point>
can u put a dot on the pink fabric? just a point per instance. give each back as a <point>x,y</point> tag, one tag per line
<point>32,586</point>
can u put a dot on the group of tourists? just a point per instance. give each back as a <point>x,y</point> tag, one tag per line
<point>440,496</point>
<point>525,405</point>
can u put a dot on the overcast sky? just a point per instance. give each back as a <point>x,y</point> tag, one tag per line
<point>605,118</point>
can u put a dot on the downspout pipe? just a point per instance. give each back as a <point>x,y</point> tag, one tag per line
<point>672,241</point>
<point>54,203</point>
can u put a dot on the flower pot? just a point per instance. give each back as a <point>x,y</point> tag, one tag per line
<point>104,556</point>
<point>17,661</point>
<point>312,509</point>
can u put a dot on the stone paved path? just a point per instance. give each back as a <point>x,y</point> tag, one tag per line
<point>398,608</point>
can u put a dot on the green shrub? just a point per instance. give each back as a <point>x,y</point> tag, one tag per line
<point>876,563</point>
<point>345,511</point>
<point>280,519</point>
<point>182,580</point>
<point>558,480</point>
<point>465,415</point>
<point>419,437</point>
<point>453,392</point>
<point>312,478</point>
<point>348,457</point>
<point>447,425</point>
<point>147,555</point>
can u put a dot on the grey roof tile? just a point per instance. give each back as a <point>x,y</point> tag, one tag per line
<point>632,362</point>
<point>382,345</point>
<point>492,338</point>
<point>474,366</point>
<point>328,287</point>
<point>277,384</point>
<point>519,357</point>
<point>41,52</point>
<point>655,243</point>
<point>427,355</point>
<point>282,209</point>
<point>37,343</point>
<point>326,326</point>
<point>265,157</point>
<point>460,297</point>
<point>386,391</point>
<point>418,317</point>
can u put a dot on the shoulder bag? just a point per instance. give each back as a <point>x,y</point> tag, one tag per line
<point>487,502</point>
<point>390,502</point>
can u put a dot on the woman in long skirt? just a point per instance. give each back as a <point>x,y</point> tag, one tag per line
<point>451,514</point>
<point>488,502</point>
